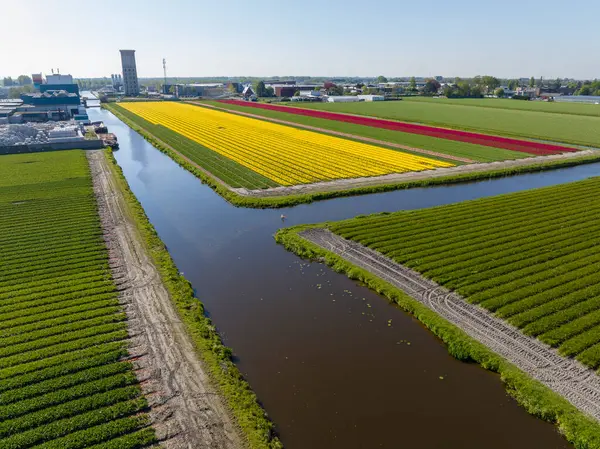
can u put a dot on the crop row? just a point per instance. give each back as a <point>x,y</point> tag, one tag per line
<point>530,257</point>
<point>63,334</point>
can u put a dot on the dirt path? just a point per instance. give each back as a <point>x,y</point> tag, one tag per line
<point>340,134</point>
<point>396,178</point>
<point>569,378</point>
<point>185,409</point>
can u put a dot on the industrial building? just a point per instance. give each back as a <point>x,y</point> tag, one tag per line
<point>342,99</point>
<point>289,88</point>
<point>131,86</point>
<point>211,90</point>
<point>57,78</point>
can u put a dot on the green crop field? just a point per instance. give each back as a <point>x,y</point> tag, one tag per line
<point>63,335</point>
<point>530,257</point>
<point>478,153</point>
<point>568,128</point>
<point>556,107</point>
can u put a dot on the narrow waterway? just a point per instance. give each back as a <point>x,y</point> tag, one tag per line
<point>333,363</point>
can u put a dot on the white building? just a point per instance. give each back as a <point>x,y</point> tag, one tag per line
<point>130,78</point>
<point>342,99</point>
<point>371,97</point>
<point>59,79</point>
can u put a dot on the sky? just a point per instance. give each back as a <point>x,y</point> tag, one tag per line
<point>329,38</point>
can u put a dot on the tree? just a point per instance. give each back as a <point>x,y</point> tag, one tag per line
<point>24,80</point>
<point>555,85</point>
<point>381,79</point>
<point>259,89</point>
<point>585,90</point>
<point>476,92</point>
<point>490,83</point>
<point>16,92</point>
<point>449,91</point>
<point>540,82</point>
<point>336,90</point>
<point>513,84</point>
<point>297,93</point>
<point>413,84</point>
<point>532,82</point>
<point>269,92</point>
<point>499,92</point>
<point>431,87</point>
<point>7,82</point>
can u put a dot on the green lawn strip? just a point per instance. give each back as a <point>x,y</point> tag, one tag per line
<point>566,128</point>
<point>249,415</point>
<point>556,107</point>
<point>292,200</point>
<point>579,429</point>
<point>471,151</point>
<point>229,171</point>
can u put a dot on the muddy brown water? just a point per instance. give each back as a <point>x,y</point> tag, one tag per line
<point>333,363</point>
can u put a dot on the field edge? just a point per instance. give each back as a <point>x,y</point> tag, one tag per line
<point>239,200</point>
<point>578,428</point>
<point>246,410</point>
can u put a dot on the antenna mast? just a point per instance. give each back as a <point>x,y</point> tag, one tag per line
<point>165,72</point>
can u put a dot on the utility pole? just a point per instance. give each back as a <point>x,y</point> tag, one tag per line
<point>165,73</point>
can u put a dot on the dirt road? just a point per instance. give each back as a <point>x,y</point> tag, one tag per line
<point>186,411</point>
<point>569,378</point>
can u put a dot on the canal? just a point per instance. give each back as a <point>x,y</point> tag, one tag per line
<point>333,363</point>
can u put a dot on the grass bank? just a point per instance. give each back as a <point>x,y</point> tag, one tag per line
<point>293,200</point>
<point>582,431</point>
<point>243,403</point>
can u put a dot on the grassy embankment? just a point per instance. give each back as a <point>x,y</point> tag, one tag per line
<point>514,122</point>
<point>509,253</point>
<point>242,402</point>
<point>63,335</point>
<point>477,153</point>
<point>171,147</point>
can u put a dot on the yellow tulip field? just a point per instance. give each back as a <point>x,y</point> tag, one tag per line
<point>280,155</point>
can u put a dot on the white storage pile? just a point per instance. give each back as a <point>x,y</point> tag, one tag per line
<point>39,133</point>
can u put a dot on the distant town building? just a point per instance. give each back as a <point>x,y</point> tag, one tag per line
<point>130,78</point>
<point>248,92</point>
<point>37,80</point>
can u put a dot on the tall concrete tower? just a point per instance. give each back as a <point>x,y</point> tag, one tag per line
<point>130,79</point>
